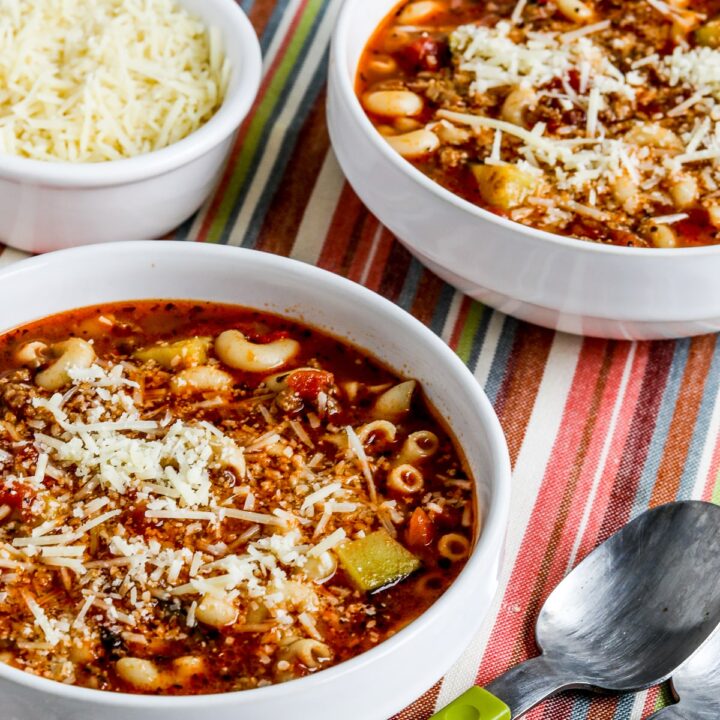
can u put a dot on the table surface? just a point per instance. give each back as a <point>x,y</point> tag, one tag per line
<point>598,430</point>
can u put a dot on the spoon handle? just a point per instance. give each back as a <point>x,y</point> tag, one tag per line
<point>511,695</point>
<point>527,684</point>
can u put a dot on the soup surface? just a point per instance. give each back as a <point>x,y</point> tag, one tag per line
<point>597,120</point>
<point>199,498</point>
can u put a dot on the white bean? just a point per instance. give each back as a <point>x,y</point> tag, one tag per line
<point>685,192</point>
<point>141,674</point>
<point>203,378</point>
<point>405,125</point>
<point>236,351</point>
<point>627,193</point>
<point>654,135</point>
<point>418,12</point>
<point>217,611</point>
<point>382,65</point>
<point>72,353</point>
<point>415,144</point>
<point>575,10</point>
<point>714,213</point>
<point>186,667</point>
<point>517,103</point>
<point>661,236</point>
<point>393,103</point>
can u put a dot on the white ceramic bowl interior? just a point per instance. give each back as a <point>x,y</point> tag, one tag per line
<point>380,682</point>
<point>48,206</point>
<point>561,283</point>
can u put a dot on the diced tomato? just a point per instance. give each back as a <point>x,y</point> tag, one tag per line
<point>17,496</point>
<point>425,53</point>
<point>308,384</point>
<point>421,531</point>
<point>574,80</point>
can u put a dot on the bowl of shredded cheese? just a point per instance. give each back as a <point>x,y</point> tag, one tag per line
<point>116,116</point>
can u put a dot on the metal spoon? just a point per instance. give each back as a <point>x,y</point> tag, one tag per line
<point>697,684</point>
<point>624,619</point>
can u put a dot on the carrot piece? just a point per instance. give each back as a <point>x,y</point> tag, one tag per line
<point>420,530</point>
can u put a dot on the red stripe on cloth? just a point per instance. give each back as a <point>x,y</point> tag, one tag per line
<point>426,297</point>
<point>523,375</point>
<point>595,420</point>
<point>562,706</point>
<point>651,701</point>
<point>590,538</point>
<point>363,248</point>
<point>380,259</point>
<point>682,427</point>
<point>395,272</point>
<point>348,212</point>
<point>290,201</point>
<point>423,707</point>
<point>260,14</point>
<point>635,451</point>
<point>219,196</point>
<point>712,477</point>
<point>522,600</point>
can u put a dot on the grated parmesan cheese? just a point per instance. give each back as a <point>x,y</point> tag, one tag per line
<point>92,82</point>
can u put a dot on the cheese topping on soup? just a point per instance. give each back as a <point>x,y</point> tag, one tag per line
<point>598,120</point>
<point>198,498</point>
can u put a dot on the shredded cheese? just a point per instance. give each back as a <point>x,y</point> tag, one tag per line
<point>105,80</point>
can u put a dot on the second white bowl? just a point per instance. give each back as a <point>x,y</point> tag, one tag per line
<point>561,283</point>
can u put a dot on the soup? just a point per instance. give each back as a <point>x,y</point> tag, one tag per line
<point>595,120</point>
<point>199,498</point>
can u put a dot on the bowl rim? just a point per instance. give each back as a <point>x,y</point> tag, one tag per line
<point>346,84</point>
<point>223,123</point>
<point>488,546</point>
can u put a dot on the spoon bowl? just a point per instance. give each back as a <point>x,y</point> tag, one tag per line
<point>631,613</point>
<point>697,684</point>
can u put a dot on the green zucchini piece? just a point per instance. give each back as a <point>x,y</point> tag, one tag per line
<point>185,353</point>
<point>375,561</point>
<point>708,34</point>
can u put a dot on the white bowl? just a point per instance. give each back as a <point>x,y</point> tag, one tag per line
<point>561,283</point>
<point>48,205</point>
<point>380,682</point>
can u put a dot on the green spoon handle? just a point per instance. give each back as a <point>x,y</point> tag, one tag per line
<point>510,696</point>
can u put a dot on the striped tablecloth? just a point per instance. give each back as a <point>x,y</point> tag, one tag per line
<point>598,430</point>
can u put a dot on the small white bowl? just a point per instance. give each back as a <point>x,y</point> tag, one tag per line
<point>561,283</point>
<point>53,205</point>
<point>380,682</point>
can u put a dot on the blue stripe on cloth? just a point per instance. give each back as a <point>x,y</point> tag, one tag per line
<point>442,309</point>
<point>277,173</point>
<point>183,232</point>
<point>501,359</point>
<point>289,139</point>
<point>662,427</point>
<point>410,286</point>
<point>702,426</point>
